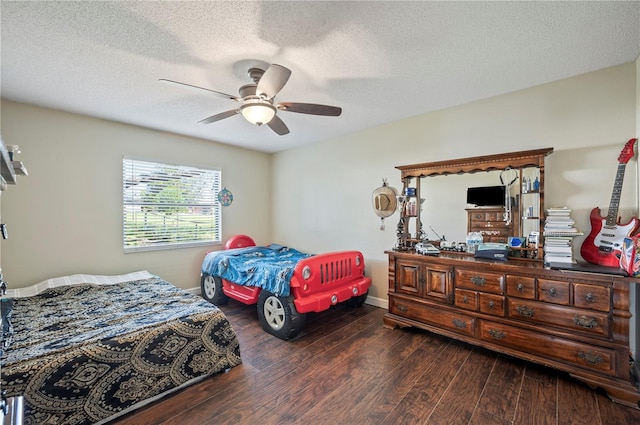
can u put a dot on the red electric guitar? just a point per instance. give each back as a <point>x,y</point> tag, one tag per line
<point>603,246</point>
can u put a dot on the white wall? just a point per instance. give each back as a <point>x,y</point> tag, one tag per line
<point>66,216</point>
<point>323,190</point>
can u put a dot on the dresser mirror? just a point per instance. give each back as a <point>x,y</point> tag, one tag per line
<point>444,212</point>
<point>442,186</point>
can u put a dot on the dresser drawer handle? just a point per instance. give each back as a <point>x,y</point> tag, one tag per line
<point>585,322</point>
<point>461,324</point>
<point>524,311</point>
<point>478,280</point>
<point>496,334</point>
<point>590,297</point>
<point>402,308</point>
<point>591,357</point>
<point>492,305</point>
<point>465,299</point>
<point>520,287</point>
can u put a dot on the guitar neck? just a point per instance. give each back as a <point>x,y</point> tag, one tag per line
<point>612,214</point>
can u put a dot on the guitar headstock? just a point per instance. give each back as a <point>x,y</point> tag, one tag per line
<point>627,152</point>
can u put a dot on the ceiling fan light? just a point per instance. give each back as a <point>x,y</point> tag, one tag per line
<point>258,113</point>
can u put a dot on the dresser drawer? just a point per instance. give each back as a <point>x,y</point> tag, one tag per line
<point>566,351</point>
<point>459,323</point>
<point>491,235</point>
<point>521,286</point>
<point>484,225</point>
<point>495,215</point>
<point>492,304</point>
<point>553,291</point>
<point>477,216</point>
<point>573,319</point>
<point>466,299</point>
<point>496,238</point>
<point>480,281</point>
<point>592,296</point>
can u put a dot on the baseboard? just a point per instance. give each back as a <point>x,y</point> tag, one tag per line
<point>377,302</point>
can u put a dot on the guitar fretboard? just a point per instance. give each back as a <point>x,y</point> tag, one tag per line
<point>612,214</point>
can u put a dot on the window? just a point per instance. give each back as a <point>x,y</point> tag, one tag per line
<point>169,206</point>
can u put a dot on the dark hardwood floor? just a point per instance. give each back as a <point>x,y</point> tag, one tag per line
<point>346,368</point>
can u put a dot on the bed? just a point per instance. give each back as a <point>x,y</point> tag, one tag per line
<point>283,282</point>
<point>86,349</point>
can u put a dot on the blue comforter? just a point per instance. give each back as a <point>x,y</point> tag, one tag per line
<point>267,267</point>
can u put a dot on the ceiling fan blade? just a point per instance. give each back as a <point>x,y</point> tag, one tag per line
<point>218,117</point>
<point>273,80</point>
<point>198,89</point>
<point>277,125</point>
<point>310,108</point>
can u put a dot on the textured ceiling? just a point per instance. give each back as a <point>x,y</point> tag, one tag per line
<point>379,61</point>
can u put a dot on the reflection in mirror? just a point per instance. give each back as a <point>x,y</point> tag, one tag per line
<point>444,214</point>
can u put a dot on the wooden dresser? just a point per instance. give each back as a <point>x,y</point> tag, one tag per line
<point>571,321</point>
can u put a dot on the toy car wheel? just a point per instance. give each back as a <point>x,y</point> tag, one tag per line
<point>211,289</point>
<point>278,315</point>
<point>357,301</point>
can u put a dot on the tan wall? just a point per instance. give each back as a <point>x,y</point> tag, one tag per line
<point>324,190</point>
<point>66,216</point>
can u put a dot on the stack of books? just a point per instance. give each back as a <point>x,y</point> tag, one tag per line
<point>559,232</point>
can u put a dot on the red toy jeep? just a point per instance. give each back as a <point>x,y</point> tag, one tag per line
<point>317,283</point>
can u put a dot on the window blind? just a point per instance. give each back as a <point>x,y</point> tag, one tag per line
<point>169,206</point>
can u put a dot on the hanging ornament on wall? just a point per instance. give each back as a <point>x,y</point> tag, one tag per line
<point>384,201</point>
<point>225,197</point>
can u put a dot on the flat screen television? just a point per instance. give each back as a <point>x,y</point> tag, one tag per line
<point>486,196</point>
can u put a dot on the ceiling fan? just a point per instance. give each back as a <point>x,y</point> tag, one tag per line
<point>257,100</point>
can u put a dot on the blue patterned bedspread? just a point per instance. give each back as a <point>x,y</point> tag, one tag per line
<point>268,267</point>
<point>85,353</point>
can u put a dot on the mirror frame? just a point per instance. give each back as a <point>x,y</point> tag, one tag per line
<point>520,159</point>
<point>516,160</point>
